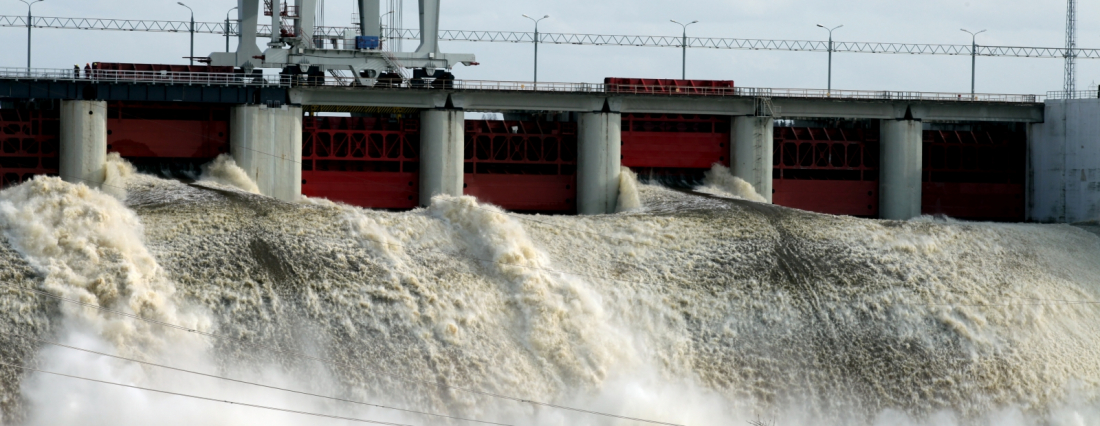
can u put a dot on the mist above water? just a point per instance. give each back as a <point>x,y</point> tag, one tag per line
<point>686,309</point>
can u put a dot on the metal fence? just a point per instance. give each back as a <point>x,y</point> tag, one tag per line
<point>157,77</point>
<point>1080,94</point>
<point>343,80</point>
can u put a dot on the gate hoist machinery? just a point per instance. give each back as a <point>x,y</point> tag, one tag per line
<point>296,49</point>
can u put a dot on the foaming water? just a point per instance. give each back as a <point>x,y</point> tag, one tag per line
<point>629,198</point>
<point>719,181</point>
<point>693,311</point>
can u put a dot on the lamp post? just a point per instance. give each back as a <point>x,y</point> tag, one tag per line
<point>382,28</point>
<point>973,58</point>
<point>684,44</point>
<point>227,28</point>
<point>30,19</point>
<point>830,91</point>
<point>536,21</point>
<point>192,57</point>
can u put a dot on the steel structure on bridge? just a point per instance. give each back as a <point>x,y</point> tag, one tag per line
<point>339,33</point>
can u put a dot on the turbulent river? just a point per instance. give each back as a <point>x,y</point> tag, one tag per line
<point>686,308</point>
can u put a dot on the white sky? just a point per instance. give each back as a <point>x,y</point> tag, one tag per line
<point>1010,22</point>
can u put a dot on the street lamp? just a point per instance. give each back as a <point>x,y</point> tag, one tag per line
<point>684,44</point>
<point>830,55</point>
<point>536,21</point>
<point>227,27</point>
<point>192,57</point>
<point>382,27</point>
<point>30,18</point>
<point>973,57</point>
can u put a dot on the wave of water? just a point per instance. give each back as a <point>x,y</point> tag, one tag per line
<point>693,310</point>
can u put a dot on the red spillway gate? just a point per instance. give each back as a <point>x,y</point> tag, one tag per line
<point>671,142</point>
<point>522,165</point>
<point>29,141</point>
<point>977,175</point>
<point>146,132</point>
<point>362,161</point>
<point>827,170</point>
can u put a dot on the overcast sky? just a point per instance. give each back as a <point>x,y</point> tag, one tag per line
<point>1010,22</point>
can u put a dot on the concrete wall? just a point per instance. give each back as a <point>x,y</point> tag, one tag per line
<point>83,150</point>
<point>267,144</point>
<point>1064,163</point>
<point>752,151</point>
<point>442,150</point>
<point>599,162</point>
<point>902,152</point>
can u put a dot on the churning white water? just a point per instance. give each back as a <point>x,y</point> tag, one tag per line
<point>692,311</point>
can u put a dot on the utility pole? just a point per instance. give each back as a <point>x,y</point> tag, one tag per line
<point>30,20</point>
<point>684,46</point>
<point>192,57</point>
<point>973,58</point>
<point>227,27</point>
<point>830,91</point>
<point>536,21</point>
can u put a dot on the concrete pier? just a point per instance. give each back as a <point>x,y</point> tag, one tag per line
<point>83,148</point>
<point>599,162</point>
<point>900,169</point>
<point>442,147</point>
<point>751,152</point>
<point>267,144</point>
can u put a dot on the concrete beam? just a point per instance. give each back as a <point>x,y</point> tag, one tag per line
<point>902,149</point>
<point>507,101</point>
<point>267,144</point>
<point>83,149</point>
<point>599,162</point>
<point>489,100</point>
<point>751,152</point>
<point>393,98</point>
<point>442,151</point>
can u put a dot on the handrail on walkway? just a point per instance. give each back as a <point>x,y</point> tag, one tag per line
<point>232,79</point>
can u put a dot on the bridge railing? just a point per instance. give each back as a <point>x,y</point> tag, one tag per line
<point>741,92</point>
<point>1080,94</point>
<point>232,79</point>
<point>158,77</point>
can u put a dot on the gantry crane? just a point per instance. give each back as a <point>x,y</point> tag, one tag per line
<point>295,50</point>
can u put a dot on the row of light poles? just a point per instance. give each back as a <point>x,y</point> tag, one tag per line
<point>684,46</point>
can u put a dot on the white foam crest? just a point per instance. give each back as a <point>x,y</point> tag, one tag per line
<point>719,181</point>
<point>225,171</point>
<point>629,198</point>
<point>563,320</point>
<point>91,248</point>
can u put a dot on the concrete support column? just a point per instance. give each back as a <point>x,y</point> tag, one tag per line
<point>752,151</point>
<point>900,169</point>
<point>599,162</point>
<point>442,150</point>
<point>83,142</point>
<point>267,144</point>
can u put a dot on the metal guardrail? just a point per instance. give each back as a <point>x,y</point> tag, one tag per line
<point>229,79</point>
<point>1080,94</point>
<point>158,77</point>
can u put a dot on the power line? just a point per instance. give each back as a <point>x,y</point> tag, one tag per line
<point>242,381</point>
<point>302,355</point>
<point>576,39</point>
<point>243,404</point>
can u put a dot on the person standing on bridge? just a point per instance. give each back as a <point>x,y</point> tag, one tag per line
<point>88,71</point>
<point>76,72</point>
